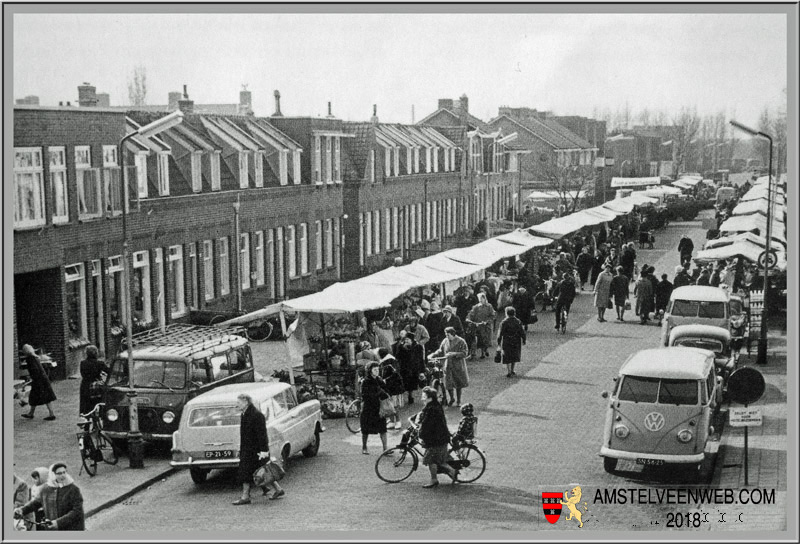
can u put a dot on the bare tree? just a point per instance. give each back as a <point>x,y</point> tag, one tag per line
<point>643,118</point>
<point>779,136</point>
<point>137,86</point>
<point>569,182</point>
<point>685,127</point>
<point>764,125</point>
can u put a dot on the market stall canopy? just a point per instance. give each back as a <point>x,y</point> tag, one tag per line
<point>348,297</point>
<point>561,226</point>
<point>762,195</point>
<point>743,248</point>
<point>747,236</point>
<point>599,214</point>
<point>683,184</point>
<point>691,181</point>
<point>487,252</point>
<point>663,190</point>
<point>620,205</point>
<point>263,313</point>
<point>635,182</point>
<point>525,238</point>
<point>550,195</point>
<point>747,223</point>
<point>757,206</point>
<point>442,263</point>
<point>638,199</point>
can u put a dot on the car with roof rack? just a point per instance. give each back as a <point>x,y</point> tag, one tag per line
<point>170,367</point>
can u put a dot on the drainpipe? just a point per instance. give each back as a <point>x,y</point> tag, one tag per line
<point>236,229</point>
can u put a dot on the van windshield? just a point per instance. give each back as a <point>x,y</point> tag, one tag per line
<point>660,390</point>
<point>215,416</point>
<point>695,308</point>
<point>151,374</point>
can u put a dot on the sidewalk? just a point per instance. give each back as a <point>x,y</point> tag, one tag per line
<point>42,443</point>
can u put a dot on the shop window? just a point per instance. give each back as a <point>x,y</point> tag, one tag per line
<point>244,259</point>
<point>58,181</point>
<point>75,278</point>
<point>140,289</point>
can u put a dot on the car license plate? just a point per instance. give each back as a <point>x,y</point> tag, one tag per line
<point>219,454</point>
<point>653,462</point>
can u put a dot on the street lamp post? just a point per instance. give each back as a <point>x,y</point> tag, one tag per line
<point>135,443</point>
<point>761,357</point>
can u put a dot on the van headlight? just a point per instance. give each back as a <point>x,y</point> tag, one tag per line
<point>112,415</point>
<point>685,435</point>
<point>168,417</point>
<point>621,431</point>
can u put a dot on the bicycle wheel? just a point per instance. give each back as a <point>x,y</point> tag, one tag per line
<point>564,315</point>
<point>471,461</point>
<point>106,446</point>
<point>259,333</point>
<point>352,416</point>
<point>217,319</point>
<point>88,458</point>
<point>396,464</point>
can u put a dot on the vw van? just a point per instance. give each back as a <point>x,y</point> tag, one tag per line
<point>208,435</point>
<point>708,337</point>
<point>169,368</point>
<point>698,304</point>
<point>661,408</point>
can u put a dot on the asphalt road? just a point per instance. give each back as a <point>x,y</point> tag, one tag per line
<point>540,431</point>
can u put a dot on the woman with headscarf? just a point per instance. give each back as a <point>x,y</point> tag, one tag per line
<point>482,314</point>
<point>510,340</point>
<point>92,370</point>
<point>643,291</point>
<point>619,292</point>
<point>372,393</point>
<point>253,447</point>
<point>602,292</point>
<point>22,495</point>
<point>62,502</point>
<point>41,390</point>
<point>456,377</point>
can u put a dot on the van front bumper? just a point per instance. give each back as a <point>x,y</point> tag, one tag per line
<point>124,435</point>
<point>633,456</point>
<point>204,463</point>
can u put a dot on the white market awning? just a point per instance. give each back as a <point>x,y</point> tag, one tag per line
<point>747,223</point>
<point>748,236</point>
<point>525,238</point>
<point>559,227</point>
<point>635,182</point>
<point>743,248</point>
<point>683,184</point>
<point>347,297</point>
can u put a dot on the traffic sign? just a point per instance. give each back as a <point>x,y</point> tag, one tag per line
<point>746,385</point>
<point>745,417</point>
<point>771,261</point>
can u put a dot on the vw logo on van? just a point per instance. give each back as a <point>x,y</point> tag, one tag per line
<point>654,421</point>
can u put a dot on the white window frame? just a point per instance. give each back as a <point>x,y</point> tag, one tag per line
<point>376,227</point>
<point>317,160</point>
<point>110,164</point>
<point>258,252</point>
<point>258,167</point>
<point>197,171</point>
<point>409,159</point>
<point>110,156</point>
<point>428,160</point>
<point>214,166</point>
<point>452,159</point>
<point>58,178</point>
<point>413,223</point>
<point>283,166</point>
<point>435,157</point>
<point>328,160</point>
<point>140,160</point>
<point>80,170</point>
<point>416,160</point>
<point>271,261</point>
<point>396,157</point>
<point>446,153</point>
<point>428,229</point>
<point>224,265</point>
<point>303,249</point>
<point>318,248</point>
<point>141,259</point>
<point>297,176</point>
<point>291,251</point>
<point>244,169</point>
<point>244,259</point>
<point>387,229</point>
<point>194,276</point>
<point>337,160</point>
<point>209,287</point>
<point>368,233</point>
<point>329,263</point>
<point>387,161</point>
<point>161,298</point>
<point>395,228</point>
<point>163,173</point>
<point>177,281</point>
<point>76,273</point>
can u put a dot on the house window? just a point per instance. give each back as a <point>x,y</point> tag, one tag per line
<point>475,154</point>
<point>141,303</point>
<point>416,160</point>
<point>409,159</point>
<point>303,248</point>
<point>58,180</point>
<point>291,251</point>
<point>318,250</point>
<point>177,304</point>
<point>109,156</point>
<point>329,242</point>
<point>258,166</point>
<point>453,159</point>
<point>224,263</point>
<point>216,182</point>
<point>193,277</point>
<point>197,173</point>
<point>376,217</point>
<point>75,279</point>
<point>317,160</point>
<point>244,259</point>
<point>208,268</point>
<point>446,159</point>
<point>116,292</point>
<point>243,169</point>
<point>113,192</point>
<point>372,165</point>
<point>337,160</point>
<point>296,166</point>
<point>428,220</point>
<point>387,161</point>
<point>160,294</point>
<point>259,257</point>
<point>271,262</point>
<point>387,229</point>
<point>395,228</point>
<point>328,171</point>
<point>141,173</point>
<point>89,193</point>
<point>368,228</point>
<point>163,174</point>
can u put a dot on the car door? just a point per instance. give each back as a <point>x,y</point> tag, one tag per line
<point>280,425</point>
<point>301,428</point>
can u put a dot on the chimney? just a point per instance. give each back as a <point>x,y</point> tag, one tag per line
<point>173,98</point>
<point>445,104</point>
<point>330,114</point>
<point>60,103</point>
<point>277,95</point>
<point>245,101</point>
<point>103,100</point>
<point>87,95</point>
<point>464,103</point>
<point>184,104</point>
<point>30,100</point>
<point>375,114</point>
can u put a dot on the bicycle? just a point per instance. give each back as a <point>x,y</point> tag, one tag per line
<point>260,330</point>
<point>398,463</point>
<point>564,315</point>
<point>94,444</point>
<point>434,376</point>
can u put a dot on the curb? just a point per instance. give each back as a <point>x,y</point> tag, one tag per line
<point>141,487</point>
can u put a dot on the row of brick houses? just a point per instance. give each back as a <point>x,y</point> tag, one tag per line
<point>279,206</point>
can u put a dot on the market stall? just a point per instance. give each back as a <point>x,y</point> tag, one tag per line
<point>745,249</point>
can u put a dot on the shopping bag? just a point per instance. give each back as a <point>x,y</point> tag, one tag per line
<point>498,356</point>
<point>627,304</point>
<point>387,408</point>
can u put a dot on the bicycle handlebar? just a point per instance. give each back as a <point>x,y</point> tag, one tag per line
<point>94,410</point>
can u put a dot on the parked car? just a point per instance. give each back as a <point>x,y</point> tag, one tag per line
<point>661,409</point>
<point>208,436</point>
<point>716,339</point>
<point>698,304</point>
<point>169,368</point>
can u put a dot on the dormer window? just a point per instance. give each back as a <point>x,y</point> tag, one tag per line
<point>428,159</point>
<point>243,169</point>
<point>197,173</point>
<point>163,174</point>
<point>416,160</point>
<point>396,161</point>
<point>317,160</point>
<point>216,182</point>
<point>283,166</point>
<point>435,159</point>
<point>387,162</point>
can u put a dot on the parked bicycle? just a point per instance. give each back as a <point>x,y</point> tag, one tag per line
<point>398,463</point>
<point>94,444</point>
<point>564,316</point>
<point>255,331</point>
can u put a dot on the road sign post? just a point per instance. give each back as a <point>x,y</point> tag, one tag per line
<point>746,386</point>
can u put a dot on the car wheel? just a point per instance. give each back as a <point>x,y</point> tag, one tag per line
<point>609,464</point>
<point>312,449</point>
<point>285,453</point>
<point>199,475</point>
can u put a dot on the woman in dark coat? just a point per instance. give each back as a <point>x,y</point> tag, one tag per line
<point>411,363</point>
<point>584,264</point>
<point>524,306</point>
<point>510,340</point>
<point>663,292</point>
<point>643,291</point>
<point>41,390</point>
<point>435,436</point>
<point>61,500</point>
<point>92,370</point>
<point>619,292</point>
<point>372,393</point>
<point>597,266</point>
<point>253,446</point>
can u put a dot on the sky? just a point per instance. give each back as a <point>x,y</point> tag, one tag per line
<point>571,64</point>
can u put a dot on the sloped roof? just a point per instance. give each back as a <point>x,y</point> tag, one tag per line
<point>556,143</point>
<point>471,119</point>
<point>564,131</point>
<point>356,150</point>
